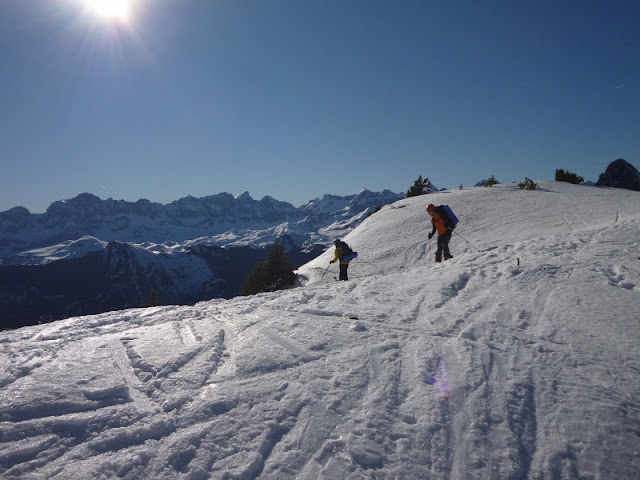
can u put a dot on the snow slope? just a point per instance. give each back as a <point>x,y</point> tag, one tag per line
<point>63,251</point>
<point>518,360</point>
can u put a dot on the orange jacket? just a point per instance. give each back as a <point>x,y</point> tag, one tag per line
<point>438,224</point>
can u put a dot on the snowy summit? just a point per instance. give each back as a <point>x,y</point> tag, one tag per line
<point>517,359</point>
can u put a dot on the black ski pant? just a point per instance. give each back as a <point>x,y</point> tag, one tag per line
<point>343,271</point>
<point>443,246</point>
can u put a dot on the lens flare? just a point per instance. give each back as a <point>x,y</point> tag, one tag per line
<point>434,373</point>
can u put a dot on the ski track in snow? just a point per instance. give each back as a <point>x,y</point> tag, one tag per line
<point>324,381</point>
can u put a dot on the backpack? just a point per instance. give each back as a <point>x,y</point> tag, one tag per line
<point>448,216</point>
<point>346,254</point>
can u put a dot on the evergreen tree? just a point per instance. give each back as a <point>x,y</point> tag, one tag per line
<point>420,187</point>
<point>528,184</point>
<point>567,176</point>
<point>273,274</point>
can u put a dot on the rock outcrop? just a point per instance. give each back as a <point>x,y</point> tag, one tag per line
<point>620,174</point>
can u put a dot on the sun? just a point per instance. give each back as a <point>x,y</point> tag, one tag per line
<point>111,10</point>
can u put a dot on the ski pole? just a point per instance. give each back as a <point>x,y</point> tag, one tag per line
<point>325,272</point>
<point>466,241</point>
<point>368,263</point>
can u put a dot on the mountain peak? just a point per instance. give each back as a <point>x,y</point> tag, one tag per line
<point>244,197</point>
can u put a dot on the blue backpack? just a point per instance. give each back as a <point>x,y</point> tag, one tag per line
<point>349,256</point>
<point>346,254</point>
<point>449,216</point>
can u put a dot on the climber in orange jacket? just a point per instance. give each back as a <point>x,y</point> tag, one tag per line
<point>443,225</point>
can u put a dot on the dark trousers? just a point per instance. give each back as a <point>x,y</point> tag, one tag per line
<point>443,246</point>
<point>343,271</point>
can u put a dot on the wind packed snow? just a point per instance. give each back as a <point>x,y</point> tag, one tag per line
<point>518,359</point>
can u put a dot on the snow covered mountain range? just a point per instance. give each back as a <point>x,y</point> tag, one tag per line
<point>88,255</point>
<point>518,359</point>
<point>225,221</point>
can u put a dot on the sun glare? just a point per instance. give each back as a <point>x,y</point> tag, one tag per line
<point>111,10</point>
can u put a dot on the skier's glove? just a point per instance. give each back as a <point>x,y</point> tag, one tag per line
<point>430,235</point>
<point>331,262</point>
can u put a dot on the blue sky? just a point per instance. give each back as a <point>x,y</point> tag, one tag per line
<point>297,98</point>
